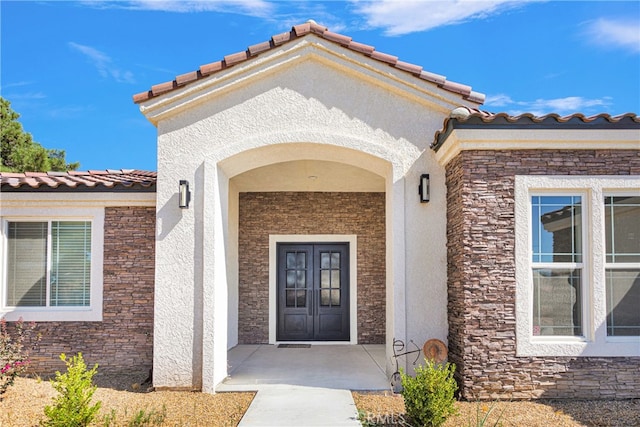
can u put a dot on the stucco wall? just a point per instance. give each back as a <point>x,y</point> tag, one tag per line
<point>482,280</point>
<point>302,102</point>
<point>262,214</point>
<point>123,340</point>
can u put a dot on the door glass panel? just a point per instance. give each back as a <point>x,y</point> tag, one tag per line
<point>335,297</point>
<point>301,260</point>
<point>301,276</point>
<point>291,260</point>
<point>325,279</point>
<point>325,296</point>
<point>291,298</point>
<point>291,279</point>
<point>335,260</point>
<point>301,300</point>
<point>325,260</point>
<point>296,298</point>
<point>335,279</point>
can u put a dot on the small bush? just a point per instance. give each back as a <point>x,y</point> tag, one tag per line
<point>72,406</point>
<point>14,355</point>
<point>151,418</point>
<point>429,397</point>
<point>482,415</point>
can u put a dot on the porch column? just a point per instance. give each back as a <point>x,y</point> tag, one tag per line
<point>214,233</point>
<point>396,317</point>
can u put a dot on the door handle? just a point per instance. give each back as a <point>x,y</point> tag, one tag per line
<point>310,302</point>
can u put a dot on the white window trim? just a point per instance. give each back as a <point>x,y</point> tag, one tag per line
<point>352,239</point>
<point>93,312</point>
<point>595,341</point>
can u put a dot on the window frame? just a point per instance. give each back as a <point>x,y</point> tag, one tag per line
<point>616,265</point>
<point>92,312</point>
<point>594,341</point>
<point>555,265</point>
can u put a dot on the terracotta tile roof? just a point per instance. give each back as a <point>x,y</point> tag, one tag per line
<point>472,118</point>
<point>93,180</point>
<point>296,32</point>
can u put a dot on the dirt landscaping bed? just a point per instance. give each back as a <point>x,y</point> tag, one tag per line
<point>23,404</point>
<point>122,398</point>
<point>381,409</point>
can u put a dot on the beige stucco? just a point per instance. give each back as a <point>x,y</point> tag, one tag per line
<point>309,108</point>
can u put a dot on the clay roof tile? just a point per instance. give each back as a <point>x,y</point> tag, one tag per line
<point>361,47</point>
<point>281,38</point>
<point>338,38</point>
<point>235,58</point>
<point>211,68</point>
<point>183,79</point>
<point>298,31</point>
<point>302,29</point>
<point>161,88</point>
<point>93,180</point>
<point>412,68</point>
<point>259,48</point>
<point>384,57</point>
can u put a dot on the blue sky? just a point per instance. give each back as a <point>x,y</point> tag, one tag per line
<point>70,68</point>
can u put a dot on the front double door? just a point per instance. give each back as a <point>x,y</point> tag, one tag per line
<point>313,292</point>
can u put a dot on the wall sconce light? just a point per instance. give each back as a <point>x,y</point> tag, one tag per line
<point>184,195</point>
<point>423,188</point>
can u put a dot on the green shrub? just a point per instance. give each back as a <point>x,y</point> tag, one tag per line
<point>151,418</point>
<point>482,415</point>
<point>72,406</point>
<point>429,397</point>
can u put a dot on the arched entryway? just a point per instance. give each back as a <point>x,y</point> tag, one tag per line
<point>307,204</point>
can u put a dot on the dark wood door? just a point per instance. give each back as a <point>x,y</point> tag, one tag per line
<point>313,292</point>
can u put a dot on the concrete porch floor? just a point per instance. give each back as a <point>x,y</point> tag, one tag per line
<point>350,367</point>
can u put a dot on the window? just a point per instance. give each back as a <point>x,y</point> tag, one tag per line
<point>556,225</point>
<point>48,264</point>
<point>577,249</point>
<point>622,268</point>
<point>51,267</point>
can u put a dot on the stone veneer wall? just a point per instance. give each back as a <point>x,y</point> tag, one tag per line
<point>123,341</point>
<point>481,280</point>
<point>262,214</point>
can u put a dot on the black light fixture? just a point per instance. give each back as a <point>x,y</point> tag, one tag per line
<point>423,188</point>
<point>184,195</point>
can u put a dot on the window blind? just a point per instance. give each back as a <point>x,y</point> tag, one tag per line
<point>27,264</point>
<point>70,263</point>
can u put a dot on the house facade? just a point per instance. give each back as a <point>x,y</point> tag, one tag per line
<point>313,189</point>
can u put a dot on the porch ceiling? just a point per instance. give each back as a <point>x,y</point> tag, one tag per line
<point>308,175</point>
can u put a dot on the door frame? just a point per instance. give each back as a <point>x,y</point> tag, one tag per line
<point>351,239</point>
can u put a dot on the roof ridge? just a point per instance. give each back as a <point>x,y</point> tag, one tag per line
<point>298,31</point>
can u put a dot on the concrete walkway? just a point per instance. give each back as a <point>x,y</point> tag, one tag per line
<point>284,405</point>
<point>304,386</point>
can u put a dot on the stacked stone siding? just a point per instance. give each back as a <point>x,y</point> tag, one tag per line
<point>262,214</point>
<point>123,340</point>
<point>482,287</point>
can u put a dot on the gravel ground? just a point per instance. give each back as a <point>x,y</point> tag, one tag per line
<point>24,402</point>
<point>388,410</point>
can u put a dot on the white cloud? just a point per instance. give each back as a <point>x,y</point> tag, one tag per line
<point>615,33</point>
<point>69,112</point>
<point>499,100</point>
<point>26,96</point>
<point>258,8</point>
<point>403,17</point>
<point>103,63</point>
<point>540,106</point>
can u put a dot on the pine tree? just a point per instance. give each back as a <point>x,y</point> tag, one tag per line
<point>20,153</point>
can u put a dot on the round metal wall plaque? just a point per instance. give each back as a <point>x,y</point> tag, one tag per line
<point>435,350</point>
